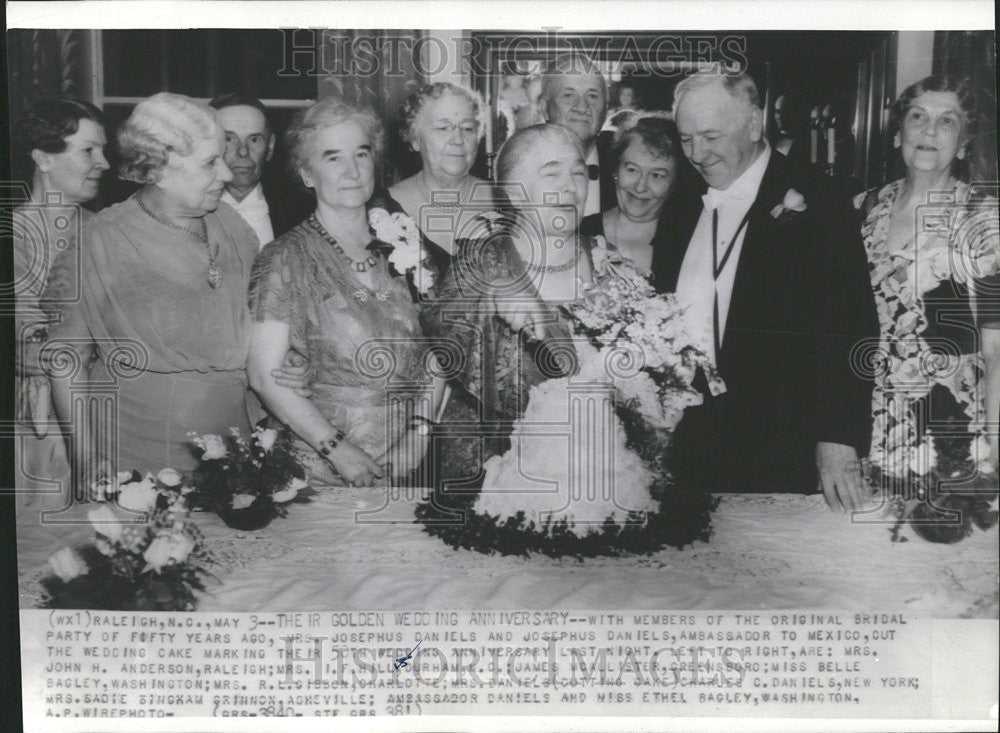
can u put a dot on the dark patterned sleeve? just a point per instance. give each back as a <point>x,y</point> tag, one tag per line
<point>461,317</point>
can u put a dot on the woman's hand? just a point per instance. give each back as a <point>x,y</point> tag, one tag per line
<point>354,465</point>
<point>405,455</point>
<point>293,374</point>
<point>519,309</point>
<point>97,472</point>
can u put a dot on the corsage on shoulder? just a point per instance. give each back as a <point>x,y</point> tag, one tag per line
<point>406,253</point>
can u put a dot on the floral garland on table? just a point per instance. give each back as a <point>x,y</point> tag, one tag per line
<point>248,481</point>
<point>915,469</point>
<point>406,252</point>
<point>640,339</point>
<point>155,565</point>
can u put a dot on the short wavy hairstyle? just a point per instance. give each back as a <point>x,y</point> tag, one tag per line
<point>420,98</point>
<point>326,113</point>
<point>658,134</point>
<point>740,86</point>
<point>47,123</point>
<point>163,124</point>
<point>968,103</point>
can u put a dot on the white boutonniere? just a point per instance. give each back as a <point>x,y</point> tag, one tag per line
<point>400,232</point>
<point>794,202</point>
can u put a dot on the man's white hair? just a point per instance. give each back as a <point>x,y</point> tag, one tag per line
<point>739,86</point>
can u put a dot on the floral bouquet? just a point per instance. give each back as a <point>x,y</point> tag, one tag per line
<point>248,481</point>
<point>646,332</point>
<point>155,565</point>
<point>608,489</point>
<point>407,255</point>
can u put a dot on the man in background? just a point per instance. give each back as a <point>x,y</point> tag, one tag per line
<point>250,144</point>
<point>575,95</point>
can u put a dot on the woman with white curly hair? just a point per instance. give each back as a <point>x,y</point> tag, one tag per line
<point>444,123</point>
<point>158,292</point>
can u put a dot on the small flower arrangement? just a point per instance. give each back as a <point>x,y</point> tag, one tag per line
<point>248,481</point>
<point>151,565</point>
<point>407,254</point>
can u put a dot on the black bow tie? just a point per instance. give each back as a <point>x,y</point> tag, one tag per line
<point>592,172</point>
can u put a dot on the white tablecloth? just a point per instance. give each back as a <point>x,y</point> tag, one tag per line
<point>766,552</point>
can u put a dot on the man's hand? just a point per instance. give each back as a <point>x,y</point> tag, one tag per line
<point>293,374</point>
<point>840,477</point>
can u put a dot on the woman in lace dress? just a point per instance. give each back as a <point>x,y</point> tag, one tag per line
<point>934,258</point>
<point>325,290</point>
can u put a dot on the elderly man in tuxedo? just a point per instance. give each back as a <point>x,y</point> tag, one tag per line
<point>771,260</point>
<point>575,95</point>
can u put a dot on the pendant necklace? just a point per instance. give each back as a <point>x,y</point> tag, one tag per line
<point>214,273</point>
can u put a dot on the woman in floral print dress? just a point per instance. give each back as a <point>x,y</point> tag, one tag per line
<point>933,249</point>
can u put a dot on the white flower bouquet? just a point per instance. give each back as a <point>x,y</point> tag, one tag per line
<point>647,333</point>
<point>134,564</point>
<point>248,481</point>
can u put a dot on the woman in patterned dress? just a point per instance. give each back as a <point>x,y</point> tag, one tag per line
<point>934,255</point>
<point>325,290</point>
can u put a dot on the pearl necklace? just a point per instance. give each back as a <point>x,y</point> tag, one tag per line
<point>557,268</point>
<point>461,194</point>
<point>214,274</point>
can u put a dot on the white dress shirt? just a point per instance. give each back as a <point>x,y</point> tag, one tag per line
<point>696,283</point>
<point>593,187</point>
<point>255,212</point>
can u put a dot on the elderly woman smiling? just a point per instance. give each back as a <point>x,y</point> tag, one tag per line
<point>444,123</point>
<point>645,159</point>
<point>162,299</point>
<point>324,291</point>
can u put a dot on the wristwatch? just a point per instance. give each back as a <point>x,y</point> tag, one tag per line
<point>422,425</point>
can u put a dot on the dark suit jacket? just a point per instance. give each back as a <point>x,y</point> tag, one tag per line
<point>288,202</point>
<point>609,199</point>
<point>801,302</point>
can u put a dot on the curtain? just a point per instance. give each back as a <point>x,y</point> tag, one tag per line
<point>971,55</point>
<point>377,68</point>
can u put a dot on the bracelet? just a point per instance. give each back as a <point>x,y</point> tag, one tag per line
<point>326,447</point>
<point>423,425</point>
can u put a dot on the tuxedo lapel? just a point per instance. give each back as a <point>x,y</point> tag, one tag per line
<point>755,263</point>
<point>677,224</point>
